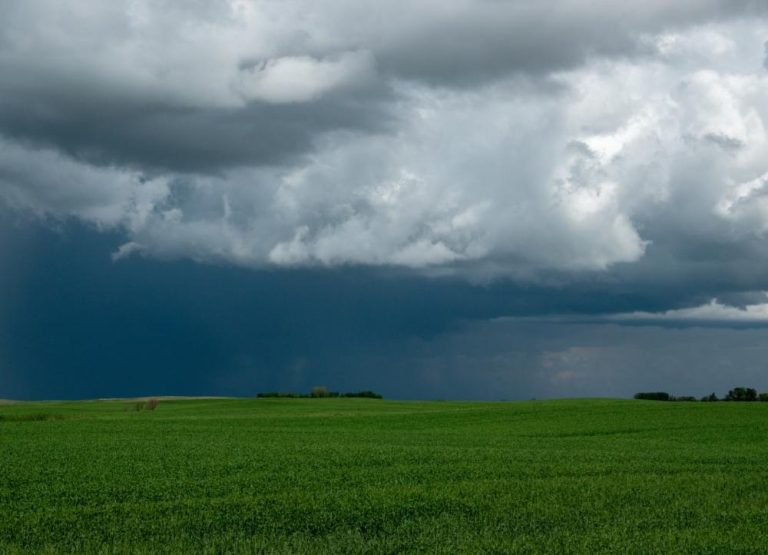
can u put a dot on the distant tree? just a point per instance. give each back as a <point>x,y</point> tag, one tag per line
<point>316,393</point>
<point>763,397</point>
<point>319,391</point>
<point>741,394</point>
<point>364,394</point>
<point>711,398</point>
<point>684,398</point>
<point>653,396</point>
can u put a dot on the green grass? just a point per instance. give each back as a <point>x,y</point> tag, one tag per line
<point>355,475</point>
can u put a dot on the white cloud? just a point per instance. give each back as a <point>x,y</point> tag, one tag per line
<point>714,311</point>
<point>45,183</point>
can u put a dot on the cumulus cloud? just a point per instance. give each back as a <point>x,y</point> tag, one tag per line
<point>45,183</point>
<point>475,138</point>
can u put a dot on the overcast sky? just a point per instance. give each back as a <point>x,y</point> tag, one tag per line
<point>465,199</point>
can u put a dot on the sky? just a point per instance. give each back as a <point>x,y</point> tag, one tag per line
<point>475,199</point>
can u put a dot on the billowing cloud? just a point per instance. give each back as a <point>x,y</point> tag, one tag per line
<point>45,183</point>
<point>476,138</point>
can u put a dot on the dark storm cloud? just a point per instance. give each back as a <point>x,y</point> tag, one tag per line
<point>307,152</point>
<point>160,86</point>
<point>266,195</point>
<point>490,39</point>
<point>156,137</point>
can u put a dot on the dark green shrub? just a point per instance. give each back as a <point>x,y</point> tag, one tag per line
<point>653,396</point>
<point>318,392</point>
<point>364,395</point>
<point>741,394</point>
<point>763,397</point>
<point>684,398</point>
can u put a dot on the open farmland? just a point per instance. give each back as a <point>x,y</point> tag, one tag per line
<point>356,475</point>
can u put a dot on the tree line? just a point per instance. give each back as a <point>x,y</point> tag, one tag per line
<point>319,392</point>
<point>736,394</point>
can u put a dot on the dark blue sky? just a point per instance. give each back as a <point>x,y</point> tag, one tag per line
<point>76,324</point>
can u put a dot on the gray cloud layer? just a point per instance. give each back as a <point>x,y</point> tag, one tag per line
<point>528,140</point>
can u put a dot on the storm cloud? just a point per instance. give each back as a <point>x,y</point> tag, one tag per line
<point>509,137</point>
<point>596,161</point>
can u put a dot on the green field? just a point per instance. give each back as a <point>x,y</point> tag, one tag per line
<point>356,475</point>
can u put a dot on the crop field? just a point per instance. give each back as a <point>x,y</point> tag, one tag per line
<point>361,475</point>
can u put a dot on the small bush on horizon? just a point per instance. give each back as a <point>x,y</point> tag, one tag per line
<point>319,391</point>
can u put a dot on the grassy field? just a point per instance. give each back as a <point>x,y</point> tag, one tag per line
<point>355,475</point>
